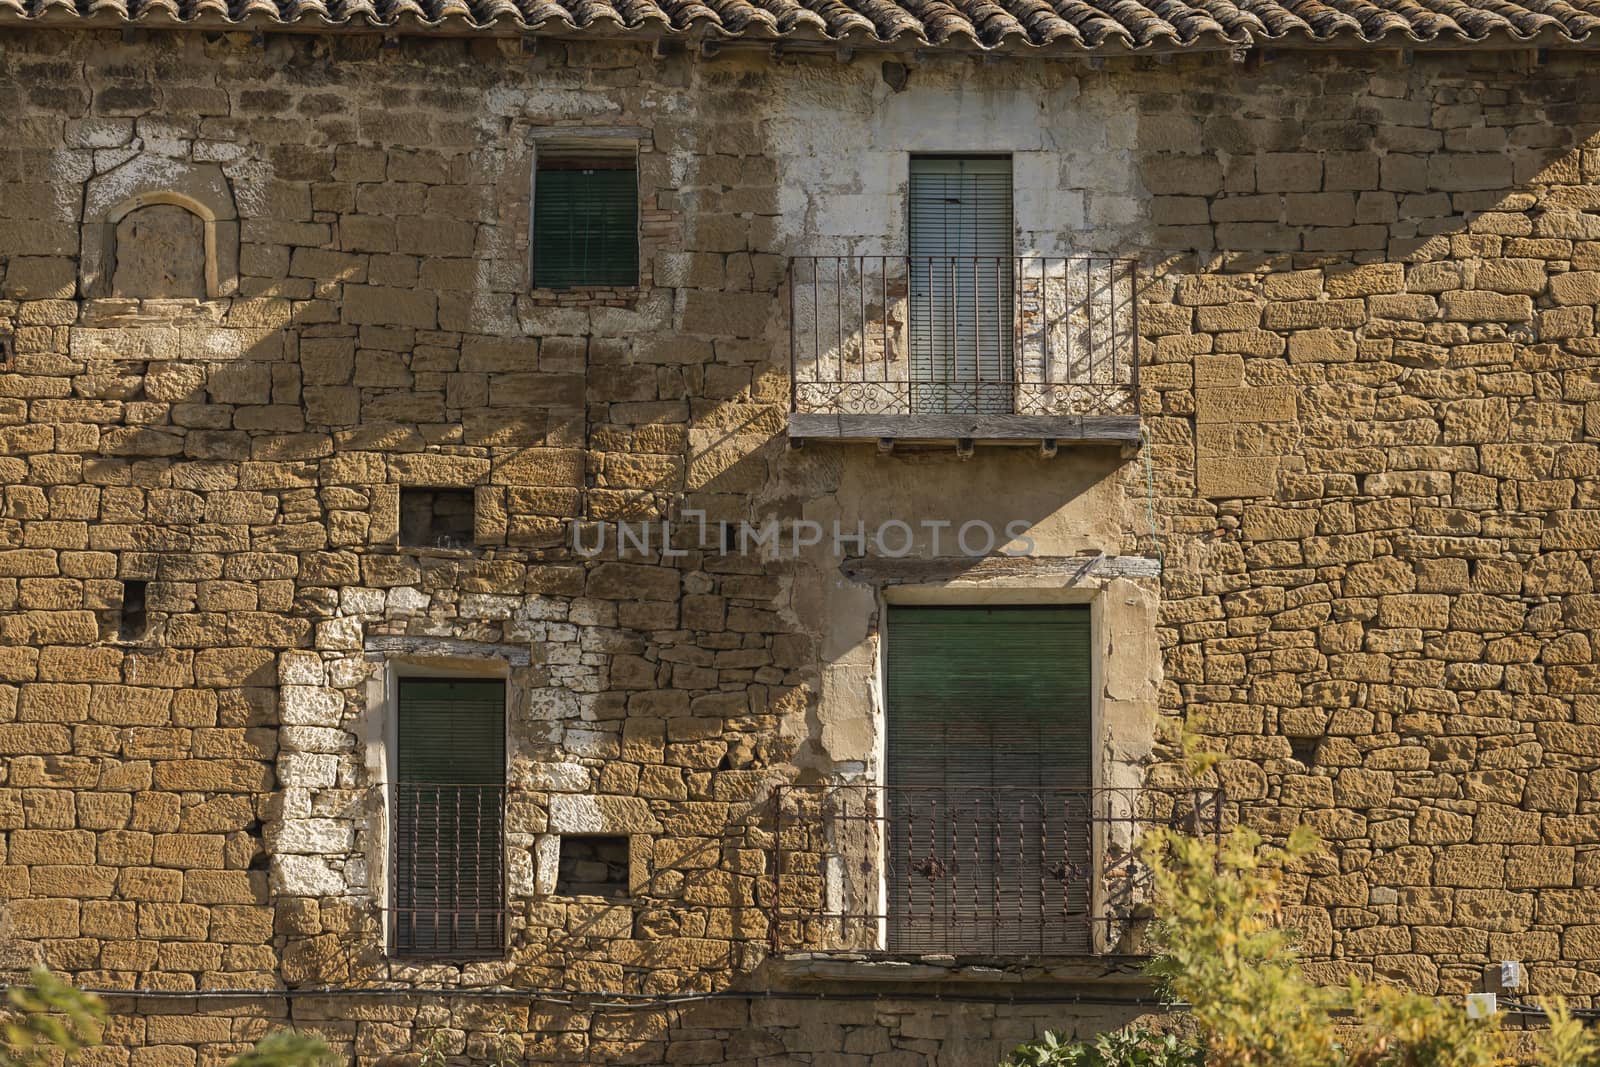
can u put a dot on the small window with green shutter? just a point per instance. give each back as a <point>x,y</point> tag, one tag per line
<point>448,854</point>
<point>585,220</point>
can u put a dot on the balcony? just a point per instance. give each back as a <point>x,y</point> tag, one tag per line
<point>966,872</point>
<point>964,348</point>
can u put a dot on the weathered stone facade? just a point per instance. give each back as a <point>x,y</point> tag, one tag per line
<point>257,289</point>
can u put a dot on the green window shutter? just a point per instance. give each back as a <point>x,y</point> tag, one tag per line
<point>449,856</point>
<point>585,227</point>
<point>990,735</point>
<point>962,290</point>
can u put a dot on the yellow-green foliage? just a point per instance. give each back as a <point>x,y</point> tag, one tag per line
<point>1568,1044</point>
<point>1223,949</point>
<point>48,1021</point>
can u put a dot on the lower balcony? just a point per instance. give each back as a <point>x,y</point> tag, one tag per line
<point>964,348</point>
<point>990,873</point>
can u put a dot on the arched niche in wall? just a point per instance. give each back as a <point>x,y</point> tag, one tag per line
<point>158,228</point>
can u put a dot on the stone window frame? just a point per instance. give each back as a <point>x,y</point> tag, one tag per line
<point>383,530</point>
<point>578,139</point>
<point>202,189</point>
<point>587,815</point>
<point>403,658</point>
<point>1122,727</point>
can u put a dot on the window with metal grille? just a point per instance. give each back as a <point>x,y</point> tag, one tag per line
<point>448,858</point>
<point>585,220</point>
<point>989,780</point>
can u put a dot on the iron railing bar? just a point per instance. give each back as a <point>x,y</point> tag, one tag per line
<point>794,333</point>
<point>839,320</point>
<point>883,291</point>
<point>949,364</point>
<point>861,295</point>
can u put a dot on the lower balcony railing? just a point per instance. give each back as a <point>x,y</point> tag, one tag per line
<point>968,872</point>
<point>964,335</point>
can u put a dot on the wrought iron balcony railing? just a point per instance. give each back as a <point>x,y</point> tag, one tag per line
<point>447,862</point>
<point>968,872</point>
<point>964,335</point>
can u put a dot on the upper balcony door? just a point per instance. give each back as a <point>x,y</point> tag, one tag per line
<point>961,285</point>
<point>989,821</point>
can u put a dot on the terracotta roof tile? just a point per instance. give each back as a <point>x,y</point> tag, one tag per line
<point>1045,26</point>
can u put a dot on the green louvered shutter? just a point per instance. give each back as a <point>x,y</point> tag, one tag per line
<point>961,296</point>
<point>585,225</point>
<point>449,866</point>
<point>989,772</point>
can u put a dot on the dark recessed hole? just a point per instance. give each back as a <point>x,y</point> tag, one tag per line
<point>133,620</point>
<point>8,350</point>
<point>593,867</point>
<point>436,518</point>
<point>1304,749</point>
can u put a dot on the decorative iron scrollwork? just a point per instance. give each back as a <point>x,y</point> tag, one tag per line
<point>929,868</point>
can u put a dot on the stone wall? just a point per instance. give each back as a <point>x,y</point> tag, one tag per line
<point>1368,480</point>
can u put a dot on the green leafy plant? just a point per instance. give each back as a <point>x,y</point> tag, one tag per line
<point>434,1049</point>
<point>1568,1043</point>
<point>48,1021</point>
<point>505,1042</point>
<point>1136,1046</point>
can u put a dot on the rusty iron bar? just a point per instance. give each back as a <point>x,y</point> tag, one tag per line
<point>448,864</point>
<point>954,362</point>
<point>970,871</point>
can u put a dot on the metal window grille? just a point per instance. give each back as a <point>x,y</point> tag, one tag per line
<point>448,852</point>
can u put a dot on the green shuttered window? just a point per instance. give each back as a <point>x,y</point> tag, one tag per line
<point>585,223</point>
<point>962,290</point>
<point>989,773</point>
<point>448,852</point>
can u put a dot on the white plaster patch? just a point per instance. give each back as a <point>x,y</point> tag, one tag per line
<point>310,837</point>
<point>306,876</point>
<point>576,814</point>
<point>300,705</point>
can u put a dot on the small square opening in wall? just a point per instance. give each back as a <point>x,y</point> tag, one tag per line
<point>1304,749</point>
<point>437,518</point>
<point>593,866</point>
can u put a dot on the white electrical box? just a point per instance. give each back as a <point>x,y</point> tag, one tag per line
<point>1510,974</point>
<point>1482,1005</point>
